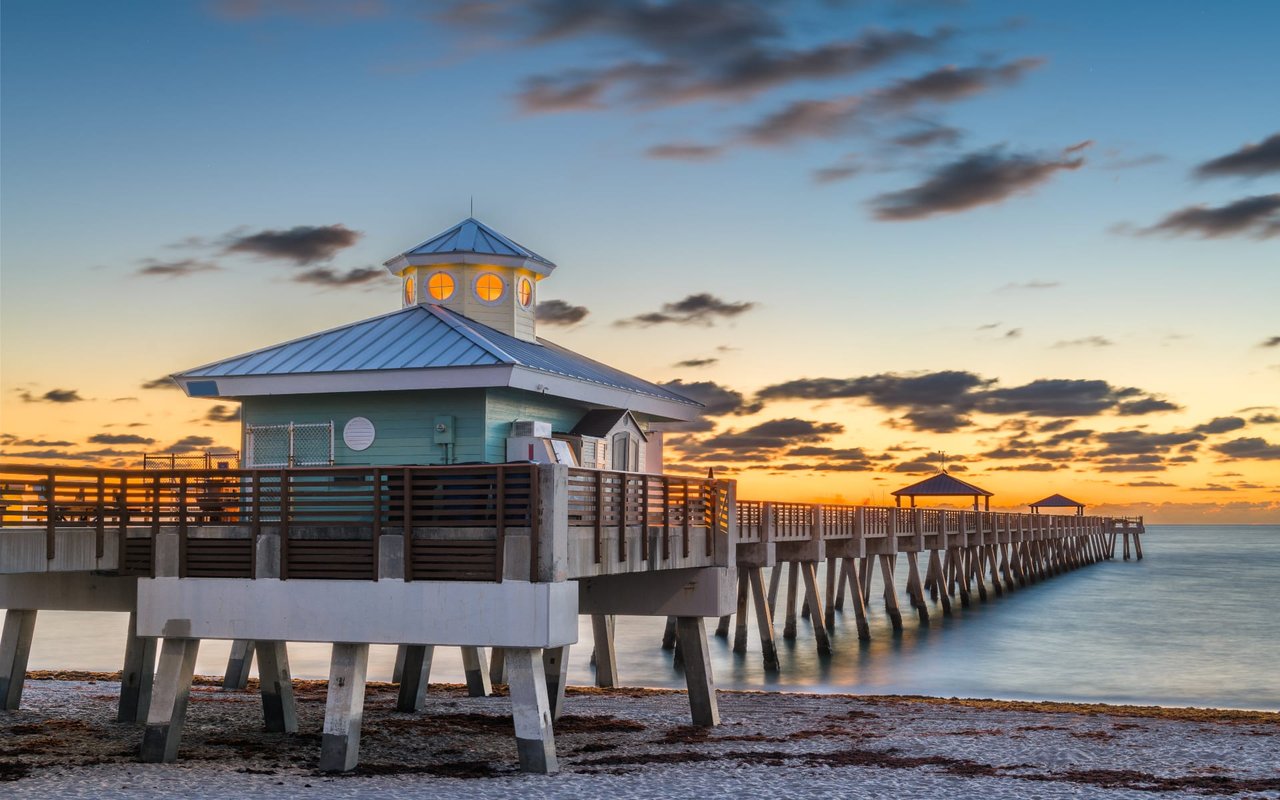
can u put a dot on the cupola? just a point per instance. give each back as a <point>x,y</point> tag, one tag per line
<point>475,271</point>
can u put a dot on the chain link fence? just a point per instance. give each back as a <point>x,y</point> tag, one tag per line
<point>292,445</point>
<point>206,460</point>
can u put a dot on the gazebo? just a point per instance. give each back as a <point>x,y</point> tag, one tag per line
<point>1058,501</point>
<point>943,485</point>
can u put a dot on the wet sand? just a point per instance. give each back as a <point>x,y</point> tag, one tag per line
<point>64,742</point>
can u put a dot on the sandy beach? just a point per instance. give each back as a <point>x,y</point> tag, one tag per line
<point>635,743</point>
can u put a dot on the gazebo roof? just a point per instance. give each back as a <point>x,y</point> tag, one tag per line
<point>941,485</point>
<point>471,242</point>
<point>1058,501</point>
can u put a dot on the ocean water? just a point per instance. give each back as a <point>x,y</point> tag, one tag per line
<point>1195,623</point>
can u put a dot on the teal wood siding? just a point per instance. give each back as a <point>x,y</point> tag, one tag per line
<point>504,406</point>
<point>403,422</point>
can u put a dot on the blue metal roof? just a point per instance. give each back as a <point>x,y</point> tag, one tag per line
<point>423,337</point>
<point>473,236</point>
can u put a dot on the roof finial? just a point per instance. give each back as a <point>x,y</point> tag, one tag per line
<point>473,206</point>
<point>943,458</point>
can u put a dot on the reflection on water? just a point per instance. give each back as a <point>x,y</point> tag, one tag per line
<point>1195,623</point>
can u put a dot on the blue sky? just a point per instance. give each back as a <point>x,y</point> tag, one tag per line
<point>140,133</point>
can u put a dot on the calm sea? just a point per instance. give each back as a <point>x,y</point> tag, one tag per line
<point>1197,622</point>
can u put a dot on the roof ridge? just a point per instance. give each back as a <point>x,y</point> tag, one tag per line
<point>453,320</point>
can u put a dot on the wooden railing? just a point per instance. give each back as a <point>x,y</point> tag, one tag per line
<point>604,500</point>
<point>361,501</point>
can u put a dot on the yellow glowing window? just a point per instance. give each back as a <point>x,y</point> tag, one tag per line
<point>525,292</point>
<point>440,286</point>
<point>489,287</point>
<point>408,291</point>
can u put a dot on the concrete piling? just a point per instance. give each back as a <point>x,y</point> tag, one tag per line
<point>344,707</point>
<point>15,649</point>
<point>414,676</point>
<point>168,711</point>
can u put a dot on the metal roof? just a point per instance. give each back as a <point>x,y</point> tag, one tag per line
<point>423,337</point>
<point>473,236</point>
<point>942,485</point>
<point>598,423</point>
<point>1056,501</point>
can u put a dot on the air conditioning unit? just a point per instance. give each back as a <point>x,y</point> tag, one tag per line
<point>529,427</point>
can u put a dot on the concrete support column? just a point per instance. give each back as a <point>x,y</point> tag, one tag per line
<point>414,676</point>
<point>814,600</point>
<point>344,707</point>
<point>602,630</point>
<point>764,618</point>
<point>137,675</point>
<point>239,663</point>
<point>15,649</point>
<point>858,598</point>
<point>279,712</point>
<point>555,664</point>
<point>473,662</point>
<point>169,696</point>
<point>697,671</point>
<point>398,670</point>
<point>497,665</point>
<point>531,711</point>
<point>740,628</point>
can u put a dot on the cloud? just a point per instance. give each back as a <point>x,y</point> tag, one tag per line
<point>1087,341</point>
<point>49,455</point>
<point>16,442</point>
<point>976,179</point>
<point>179,268</point>
<point>332,279</point>
<point>718,400</point>
<point>163,382</point>
<point>1257,217</point>
<point>120,438</point>
<point>941,402</point>
<point>1221,425</point>
<point>52,396</point>
<point>302,244</point>
<point>221,413</point>
<point>1249,161</point>
<point>928,137</point>
<point>1249,447</point>
<point>803,119</point>
<point>1265,419</point>
<point>243,10</point>
<point>695,363</point>
<point>686,51</point>
<point>772,435</point>
<point>1035,466</point>
<point>949,84</point>
<point>558,312</point>
<point>696,309</point>
<point>1032,284</point>
<point>1149,484</point>
<point>834,173</point>
<point>1271,341</point>
<point>1146,405</point>
<point>189,443</point>
<point>1212,487</point>
<point>1135,442</point>
<point>685,151</point>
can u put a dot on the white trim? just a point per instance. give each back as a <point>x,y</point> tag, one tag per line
<point>482,377</point>
<point>497,301</point>
<point>401,262</point>
<point>424,288</point>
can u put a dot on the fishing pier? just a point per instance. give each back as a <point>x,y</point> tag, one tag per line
<point>497,556</point>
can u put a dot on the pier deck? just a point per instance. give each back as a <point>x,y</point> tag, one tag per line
<point>502,556</point>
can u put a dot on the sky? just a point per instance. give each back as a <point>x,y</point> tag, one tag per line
<point>1041,239</point>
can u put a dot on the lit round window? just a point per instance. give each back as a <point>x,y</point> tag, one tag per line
<point>440,286</point>
<point>524,291</point>
<point>408,291</point>
<point>489,287</point>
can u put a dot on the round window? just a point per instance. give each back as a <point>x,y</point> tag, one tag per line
<point>524,291</point>
<point>440,286</point>
<point>489,287</point>
<point>409,299</point>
